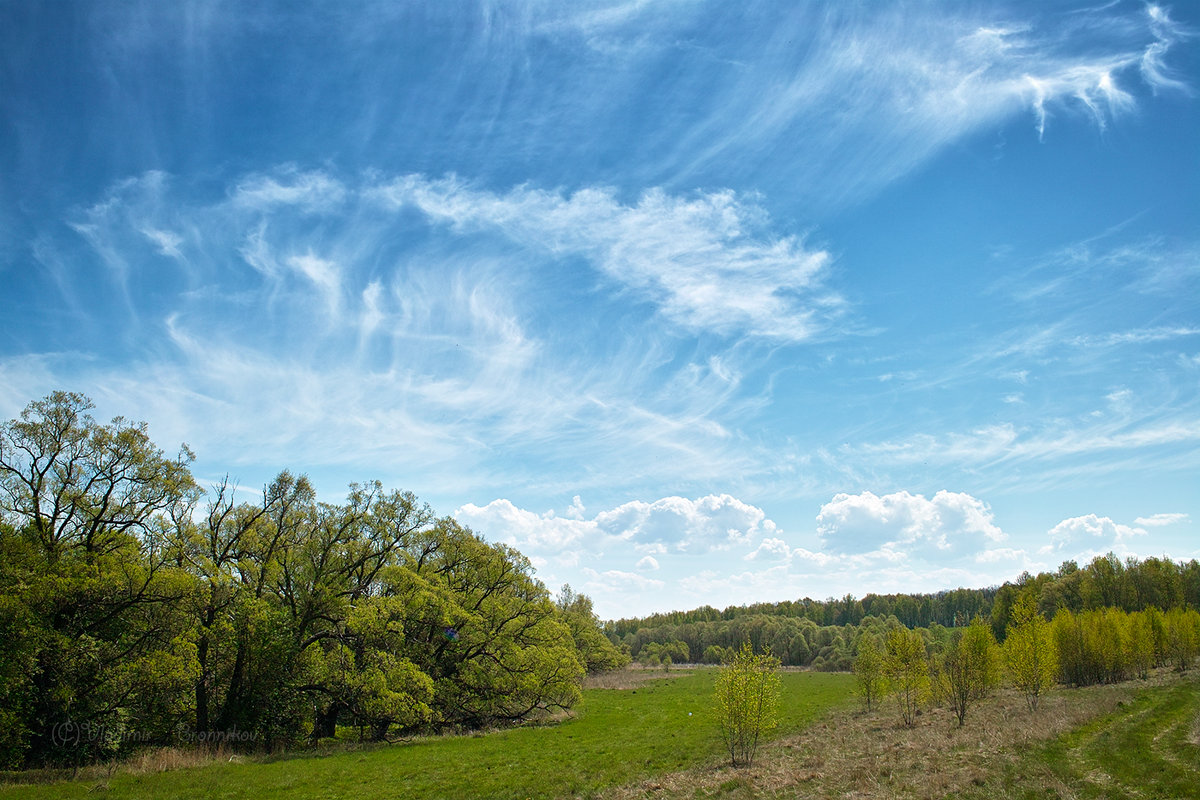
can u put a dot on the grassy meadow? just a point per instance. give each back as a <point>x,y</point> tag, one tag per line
<point>641,734</point>
<point>616,736</point>
<point>1137,739</point>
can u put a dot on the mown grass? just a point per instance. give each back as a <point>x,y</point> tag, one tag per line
<point>615,737</point>
<point>1150,747</point>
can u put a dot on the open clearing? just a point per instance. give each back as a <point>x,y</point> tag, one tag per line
<point>646,735</point>
<point>615,736</point>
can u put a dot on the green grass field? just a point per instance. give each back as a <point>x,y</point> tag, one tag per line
<point>615,736</point>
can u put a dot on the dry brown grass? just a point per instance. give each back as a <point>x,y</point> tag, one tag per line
<point>163,759</point>
<point>144,762</point>
<point>629,678</point>
<point>852,754</point>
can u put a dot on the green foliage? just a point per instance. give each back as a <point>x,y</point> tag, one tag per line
<point>1030,654</point>
<point>655,654</point>
<point>869,679</point>
<point>907,672</point>
<point>971,667</point>
<point>747,700</point>
<point>130,613</point>
<point>597,652</point>
<point>1183,637</point>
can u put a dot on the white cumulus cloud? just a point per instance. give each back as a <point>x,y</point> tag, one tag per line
<point>1090,530</point>
<point>668,525</point>
<point>500,520</point>
<point>687,526</point>
<point>866,522</point>
<point>771,549</point>
<point>648,563</point>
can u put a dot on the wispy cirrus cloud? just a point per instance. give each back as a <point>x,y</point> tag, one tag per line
<point>309,191</point>
<point>296,294</point>
<point>988,446</point>
<point>1136,336</point>
<point>709,261</point>
<point>1160,520</point>
<point>895,86</point>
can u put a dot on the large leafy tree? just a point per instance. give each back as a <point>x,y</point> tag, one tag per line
<point>490,636</point>
<point>132,613</point>
<point>596,651</point>
<point>87,581</point>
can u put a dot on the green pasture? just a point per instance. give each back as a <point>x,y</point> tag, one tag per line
<point>614,736</point>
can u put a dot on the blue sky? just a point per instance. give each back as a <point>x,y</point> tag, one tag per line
<point>692,302</point>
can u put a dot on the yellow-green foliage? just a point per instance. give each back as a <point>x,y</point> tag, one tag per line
<point>747,694</point>
<point>1108,645</point>
<point>1183,637</point>
<point>1030,653</point>
<point>971,667</point>
<point>870,683</point>
<point>907,672</point>
<point>1139,646</point>
<point>127,611</point>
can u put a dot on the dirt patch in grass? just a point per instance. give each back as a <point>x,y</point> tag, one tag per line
<point>853,754</point>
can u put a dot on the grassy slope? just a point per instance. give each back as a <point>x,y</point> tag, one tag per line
<point>616,737</point>
<point>1136,739</point>
<point>1149,747</point>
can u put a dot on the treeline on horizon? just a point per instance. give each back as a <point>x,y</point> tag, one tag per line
<point>138,609</point>
<point>824,635</point>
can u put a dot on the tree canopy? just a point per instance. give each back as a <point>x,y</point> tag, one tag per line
<point>139,608</point>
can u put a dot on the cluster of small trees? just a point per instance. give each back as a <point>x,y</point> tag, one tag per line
<point>794,641</point>
<point>135,607</point>
<point>963,672</point>
<point>664,654</point>
<point>966,664</point>
<point>1109,645</point>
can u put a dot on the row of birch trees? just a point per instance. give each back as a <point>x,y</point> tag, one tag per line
<point>1076,649</point>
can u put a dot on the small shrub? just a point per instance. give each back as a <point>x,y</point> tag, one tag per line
<point>747,692</point>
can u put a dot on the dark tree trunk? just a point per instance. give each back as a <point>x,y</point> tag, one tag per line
<point>325,721</point>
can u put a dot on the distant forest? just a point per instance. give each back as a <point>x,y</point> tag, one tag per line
<point>823,634</point>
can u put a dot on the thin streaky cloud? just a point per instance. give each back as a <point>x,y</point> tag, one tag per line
<point>706,261</point>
